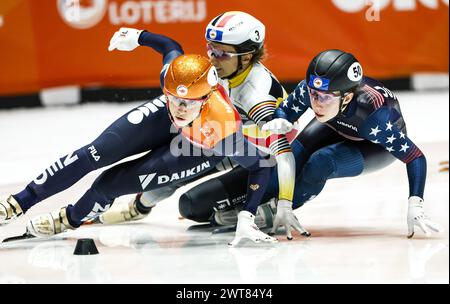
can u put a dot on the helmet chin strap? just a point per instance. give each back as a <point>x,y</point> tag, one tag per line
<point>341,106</point>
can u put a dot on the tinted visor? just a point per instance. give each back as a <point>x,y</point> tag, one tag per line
<point>188,103</point>
<point>220,54</point>
<point>324,97</point>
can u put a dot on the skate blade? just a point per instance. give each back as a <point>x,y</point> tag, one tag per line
<point>200,227</point>
<point>94,221</point>
<point>225,229</point>
<point>24,236</point>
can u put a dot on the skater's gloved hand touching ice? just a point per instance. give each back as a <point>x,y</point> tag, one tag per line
<point>286,218</point>
<point>417,217</point>
<point>247,229</point>
<point>125,39</point>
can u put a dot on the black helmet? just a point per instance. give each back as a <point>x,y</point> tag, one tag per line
<point>334,70</point>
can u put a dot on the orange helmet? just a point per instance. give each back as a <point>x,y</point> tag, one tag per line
<point>190,77</point>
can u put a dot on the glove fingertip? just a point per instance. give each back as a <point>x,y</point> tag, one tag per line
<point>234,242</point>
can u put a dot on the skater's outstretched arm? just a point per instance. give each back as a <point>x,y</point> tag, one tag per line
<point>127,39</point>
<point>380,128</point>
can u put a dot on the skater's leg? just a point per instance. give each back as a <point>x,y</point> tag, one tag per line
<point>111,146</point>
<point>345,159</point>
<point>157,169</point>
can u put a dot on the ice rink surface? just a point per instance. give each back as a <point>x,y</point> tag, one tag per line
<point>358,225</point>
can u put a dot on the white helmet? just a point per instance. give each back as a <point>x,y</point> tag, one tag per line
<point>239,29</point>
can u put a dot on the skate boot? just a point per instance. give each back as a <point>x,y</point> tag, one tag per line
<point>123,212</point>
<point>263,219</point>
<point>49,224</point>
<point>9,210</point>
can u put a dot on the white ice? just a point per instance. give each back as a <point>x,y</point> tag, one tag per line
<point>358,225</point>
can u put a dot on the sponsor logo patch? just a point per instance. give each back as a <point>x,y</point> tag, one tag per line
<point>182,90</point>
<point>213,34</point>
<point>319,83</point>
<point>254,187</point>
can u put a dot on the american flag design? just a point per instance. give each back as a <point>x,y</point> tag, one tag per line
<point>374,96</point>
<point>374,115</point>
<point>377,111</point>
<point>297,103</point>
<point>386,134</point>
